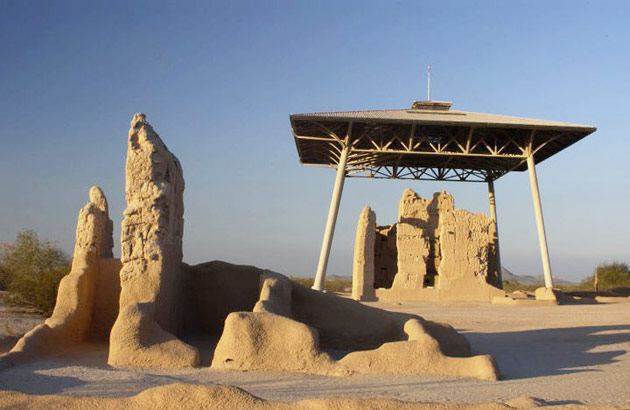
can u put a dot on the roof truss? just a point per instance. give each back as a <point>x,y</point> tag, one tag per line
<point>426,152</point>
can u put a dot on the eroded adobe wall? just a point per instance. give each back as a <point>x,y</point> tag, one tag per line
<point>152,226</point>
<point>417,238</point>
<point>443,253</point>
<point>468,268</point>
<point>81,309</point>
<point>150,315</point>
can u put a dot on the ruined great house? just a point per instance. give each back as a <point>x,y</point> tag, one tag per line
<point>434,252</point>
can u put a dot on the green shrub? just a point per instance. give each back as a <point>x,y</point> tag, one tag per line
<point>306,282</point>
<point>31,269</point>
<point>338,285</point>
<point>3,278</point>
<point>588,283</point>
<point>611,275</point>
<point>331,285</point>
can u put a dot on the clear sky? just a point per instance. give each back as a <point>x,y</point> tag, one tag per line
<point>218,81</point>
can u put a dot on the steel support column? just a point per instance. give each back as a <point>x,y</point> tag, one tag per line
<point>493,215</point>
<point>320,276</point>
<point>542,238</point>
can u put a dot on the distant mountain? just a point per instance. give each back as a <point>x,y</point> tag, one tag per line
<point>525,279</point>
<point>529,279</point>
<point>507,275</point>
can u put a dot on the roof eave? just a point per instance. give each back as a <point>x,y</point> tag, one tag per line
<point>568,127</point>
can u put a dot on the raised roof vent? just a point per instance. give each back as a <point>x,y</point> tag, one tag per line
<point>431,105</point>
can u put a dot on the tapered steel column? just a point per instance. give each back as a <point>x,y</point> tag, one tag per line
<point>493,215</point>
<point>542,238</point>
<point>320,276</point>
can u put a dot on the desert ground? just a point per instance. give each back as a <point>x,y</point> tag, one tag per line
<point>565,355</point>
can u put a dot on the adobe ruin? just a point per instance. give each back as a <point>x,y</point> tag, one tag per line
<point>434,253</point>
<point>81,313</point>
<point>151,255</point>
<point>157,309</point>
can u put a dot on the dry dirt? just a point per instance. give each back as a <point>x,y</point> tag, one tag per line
<point>573,354</point>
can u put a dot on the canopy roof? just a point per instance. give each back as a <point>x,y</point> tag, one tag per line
<point>429,141</point>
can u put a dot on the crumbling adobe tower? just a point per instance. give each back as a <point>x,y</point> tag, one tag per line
<point>87,299</point>
<point>434,252</point>
<point>151,241</point>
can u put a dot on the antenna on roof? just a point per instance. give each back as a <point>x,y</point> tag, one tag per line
<point>428,83</point>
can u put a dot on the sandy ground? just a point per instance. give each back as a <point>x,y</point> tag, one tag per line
<point>574,354</point>
<point>14,322</point>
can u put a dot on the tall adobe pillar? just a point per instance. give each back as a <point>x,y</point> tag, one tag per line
<point>363,266</point>
<point>151,256</point>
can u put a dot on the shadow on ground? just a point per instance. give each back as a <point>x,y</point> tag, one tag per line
<point>548,352</point>
<point>519,354</point>
<point>84,370</point>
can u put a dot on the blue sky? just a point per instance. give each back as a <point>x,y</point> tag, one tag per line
<point>218,81</point>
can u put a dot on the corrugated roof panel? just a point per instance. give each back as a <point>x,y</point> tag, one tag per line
<point>442,117</point>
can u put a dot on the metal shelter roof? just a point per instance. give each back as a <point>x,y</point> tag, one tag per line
<point>429,142</point>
